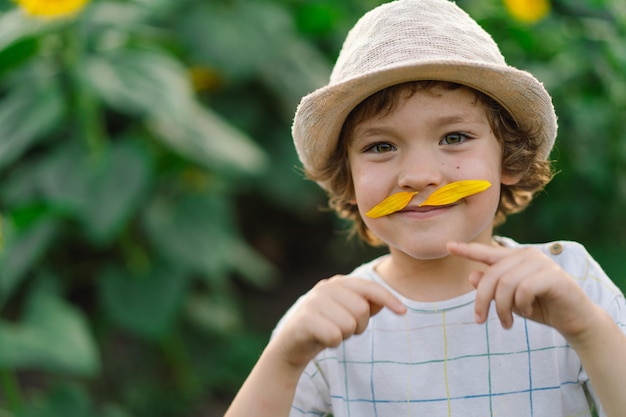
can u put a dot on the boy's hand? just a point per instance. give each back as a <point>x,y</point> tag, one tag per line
<point>331,312</point>
<point>526,282</point>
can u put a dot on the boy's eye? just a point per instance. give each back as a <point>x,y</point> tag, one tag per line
<point>380,148</point>
<point>454,138</point>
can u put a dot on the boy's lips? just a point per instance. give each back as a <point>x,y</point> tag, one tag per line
<point>417,208</point>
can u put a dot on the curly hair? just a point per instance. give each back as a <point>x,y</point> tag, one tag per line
<point>519,155</point>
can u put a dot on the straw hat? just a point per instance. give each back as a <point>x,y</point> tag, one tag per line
<point>408,40</point>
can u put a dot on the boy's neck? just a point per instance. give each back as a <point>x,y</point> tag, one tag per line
<point>428,280</point>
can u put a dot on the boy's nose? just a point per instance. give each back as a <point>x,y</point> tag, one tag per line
<point>419,170</point>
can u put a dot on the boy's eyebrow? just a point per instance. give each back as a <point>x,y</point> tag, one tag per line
<point>461,117</point>
<point>449,120</point>
<point>371,131</point>
<point>385,129</point>
<point>360,134</point>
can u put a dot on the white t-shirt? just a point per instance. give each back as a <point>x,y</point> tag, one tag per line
<point>435,361</point>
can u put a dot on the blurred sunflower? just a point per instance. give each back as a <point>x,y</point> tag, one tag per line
<point>528,11</point>
<point>51,8</point>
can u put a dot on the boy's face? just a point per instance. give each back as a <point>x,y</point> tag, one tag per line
<point>430,139</point>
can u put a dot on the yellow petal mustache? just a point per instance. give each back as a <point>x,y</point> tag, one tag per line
<point>447,194</point>
<point>455,191</point>
<point>391,204</point>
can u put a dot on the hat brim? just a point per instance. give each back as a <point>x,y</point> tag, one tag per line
<point>322,113</point>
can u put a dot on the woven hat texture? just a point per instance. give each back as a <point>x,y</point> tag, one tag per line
<point>408,40</point>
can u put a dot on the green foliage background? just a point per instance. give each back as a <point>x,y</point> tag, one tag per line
<point>154,224</point>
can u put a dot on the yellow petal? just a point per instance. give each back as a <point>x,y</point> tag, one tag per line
<point>391,204</point>
<point>455,191</point>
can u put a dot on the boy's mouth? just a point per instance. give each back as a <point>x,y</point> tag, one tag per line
<point>445,195</point>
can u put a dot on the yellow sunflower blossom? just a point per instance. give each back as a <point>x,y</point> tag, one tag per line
<point>205,78</point>
<point>52,8</point>
<point>528,11</point>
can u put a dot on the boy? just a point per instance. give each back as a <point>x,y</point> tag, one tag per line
<point>420,97</point>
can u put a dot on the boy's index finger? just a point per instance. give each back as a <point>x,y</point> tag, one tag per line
<point>377,294</point>
<point>479,252</point>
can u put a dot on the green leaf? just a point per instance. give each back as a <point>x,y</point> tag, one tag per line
<point>205,137</point>
<point>23,248</point>
<point>188,231</point>
<point>19,187</point>
<point>139,81</point>
<point>250,264</point>
<point>198,231</point>
<point>109,205</point>
<point>93,193</point>
<point>299,70</point>
<point>147,303</point>
<point>16,54</point>
<point>153,85</point>
<point>65,193</point>
<point>214,312</point>
<point>53,336</point>
<point>16,25</point>
<point>238,49</point>
<point>316,18</point>
<point>67,400</point>
<point>114,14</point>
<point>267,44</point>
<point>27,114</point>
<point>113,410</point>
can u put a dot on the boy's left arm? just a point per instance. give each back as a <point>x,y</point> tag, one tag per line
<point>526,282</point>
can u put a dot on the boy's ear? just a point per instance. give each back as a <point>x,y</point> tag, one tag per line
<point>352,199</point>
<point>508,179</point>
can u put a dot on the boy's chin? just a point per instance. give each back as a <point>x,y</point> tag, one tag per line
<point>424,252</point>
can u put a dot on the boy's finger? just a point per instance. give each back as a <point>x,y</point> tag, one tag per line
<point>475,277</point>
<point>376,295</point>
<point>485,292</point>
<point>478,252</point>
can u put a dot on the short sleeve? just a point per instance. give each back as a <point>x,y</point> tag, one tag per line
<point>575,259</point>
<point>312,397</point>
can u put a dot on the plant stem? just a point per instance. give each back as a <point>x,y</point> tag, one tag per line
<point>177,358</point>
<point>87,110</point>
<point>12,390</point>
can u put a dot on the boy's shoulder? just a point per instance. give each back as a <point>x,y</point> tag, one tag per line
<point>555,249</point>
<point>569,255</point>
<point>576,260</point>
